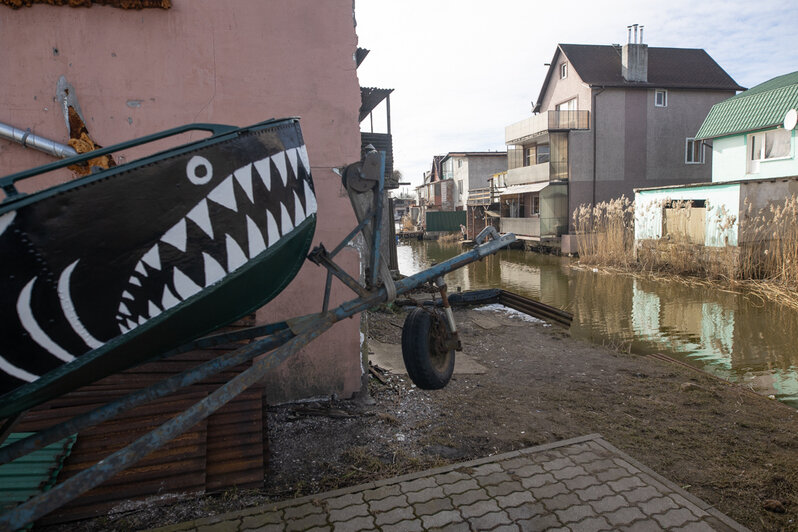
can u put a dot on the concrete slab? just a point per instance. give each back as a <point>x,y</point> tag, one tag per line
<point>583,483</point>
<point>389,358</point>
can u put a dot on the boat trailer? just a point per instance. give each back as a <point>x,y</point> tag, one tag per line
<point>431,357</point>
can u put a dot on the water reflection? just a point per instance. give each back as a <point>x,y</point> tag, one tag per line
<point>738,337</point>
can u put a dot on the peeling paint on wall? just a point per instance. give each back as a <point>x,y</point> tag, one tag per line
<point>122,4</point>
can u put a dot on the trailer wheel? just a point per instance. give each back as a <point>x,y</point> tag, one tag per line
<point>429,363</point>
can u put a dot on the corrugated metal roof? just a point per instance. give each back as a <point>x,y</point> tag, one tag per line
<point>760,107</point>
<point>33,473</point>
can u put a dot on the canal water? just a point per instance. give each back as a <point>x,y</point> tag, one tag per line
<point>740,338</point>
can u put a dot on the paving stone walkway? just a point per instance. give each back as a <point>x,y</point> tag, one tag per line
<point>578,484</point>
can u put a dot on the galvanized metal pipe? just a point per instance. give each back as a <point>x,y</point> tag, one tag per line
<point>73,487</point>
<point>162,389</point>
<point>30,140</point>
<point>306,329</point>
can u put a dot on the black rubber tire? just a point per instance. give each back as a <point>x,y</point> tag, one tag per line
<point>427,368</point>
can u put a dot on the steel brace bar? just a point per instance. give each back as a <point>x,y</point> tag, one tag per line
<point>301,332</point>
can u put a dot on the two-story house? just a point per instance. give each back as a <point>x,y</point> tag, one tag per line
<point>608,119</point>
<point>754,166</point>
<point>471,170</point>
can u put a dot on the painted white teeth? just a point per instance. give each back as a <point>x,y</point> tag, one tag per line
<point>265,172</point>
<point>271,229</point>
<point>213,270</point>
<point>244,177</point>
<point>310,199</point>
<point>292,157</point>
<point>223,194</point>
<point>279,163</point>
<point>184,286</point>
<point>176,236</point>
<point>168,300</point>
<point>199,215</point>
<point>299,214</point>
<point>255,239</point>
<point>152,258</point>
<point>153,309</point>
<point>235,255</point>
<point>285,220</point>
<point>303,156</point>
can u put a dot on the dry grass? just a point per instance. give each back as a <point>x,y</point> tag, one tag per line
<point>450,238</point>
<point>764,263</point>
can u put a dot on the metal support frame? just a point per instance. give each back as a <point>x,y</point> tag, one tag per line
<point>283,339</point>
<point>288,337</point>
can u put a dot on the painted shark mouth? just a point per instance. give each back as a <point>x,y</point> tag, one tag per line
<point>88,267</point>
<point>181,263</point>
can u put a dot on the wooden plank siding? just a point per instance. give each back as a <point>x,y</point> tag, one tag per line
<point>225,450</point>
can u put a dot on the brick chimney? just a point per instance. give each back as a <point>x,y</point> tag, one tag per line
<point>634,56</point>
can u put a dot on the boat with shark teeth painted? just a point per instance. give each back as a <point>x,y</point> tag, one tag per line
<point>109,270</point>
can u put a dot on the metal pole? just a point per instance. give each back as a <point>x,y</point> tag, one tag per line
<point>306,329</point>
<point>29,140</point>
<point>162,389</point>
<point>73,487</point>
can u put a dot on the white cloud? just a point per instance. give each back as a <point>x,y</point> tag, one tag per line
<point>463,70</point>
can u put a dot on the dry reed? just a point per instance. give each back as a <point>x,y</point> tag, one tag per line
<point>764,262</point>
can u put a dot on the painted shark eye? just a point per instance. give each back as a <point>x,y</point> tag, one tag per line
<point>199,170</point>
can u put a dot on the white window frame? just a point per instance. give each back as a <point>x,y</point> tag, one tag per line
<point>563,70</point>
<point>761,140</point>
<point>690,144</point>
<point>664,93</point>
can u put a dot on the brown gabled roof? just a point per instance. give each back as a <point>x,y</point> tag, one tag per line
<point>668,68</point>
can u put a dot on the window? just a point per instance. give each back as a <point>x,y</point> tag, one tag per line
<point>693,151</point>
<point>543,155</point>
<point>529,158</point>
<point>459,163</point>
<point>563,70</point>
<point>460,186</point>
<point>535,204</point>
<point>661,98</point>
<point>766,145</point>
<point>570,105</point>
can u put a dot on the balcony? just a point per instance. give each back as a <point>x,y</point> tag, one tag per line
<point>484,196</point>
<point>540,124</point>
<point>521,226</point>
<point>528,174</point>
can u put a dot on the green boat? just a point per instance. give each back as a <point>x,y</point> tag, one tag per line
<point>110,270</point>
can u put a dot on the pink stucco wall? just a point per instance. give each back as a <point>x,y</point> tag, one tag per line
<point>234,62</point>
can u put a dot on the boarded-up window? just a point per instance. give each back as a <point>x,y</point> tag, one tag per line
<point>685,221</point>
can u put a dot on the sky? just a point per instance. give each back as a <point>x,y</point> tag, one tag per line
<point>463,70</point>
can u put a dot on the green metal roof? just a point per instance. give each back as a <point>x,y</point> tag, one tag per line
<point>33,473</point>
<point>759,107</point>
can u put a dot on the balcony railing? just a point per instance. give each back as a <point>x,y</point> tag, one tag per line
<point>483,196</point>
<point>528,174</point>
<point>521,226</point>
<point>542,123</point>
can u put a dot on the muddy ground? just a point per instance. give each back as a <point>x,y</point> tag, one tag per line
<point>722,443</point>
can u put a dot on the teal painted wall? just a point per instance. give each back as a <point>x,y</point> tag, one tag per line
<point>729,160</point>
<point>445,220</point>
<point>723,201</point>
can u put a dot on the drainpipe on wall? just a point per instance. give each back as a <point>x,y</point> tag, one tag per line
<point>29,140</point>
